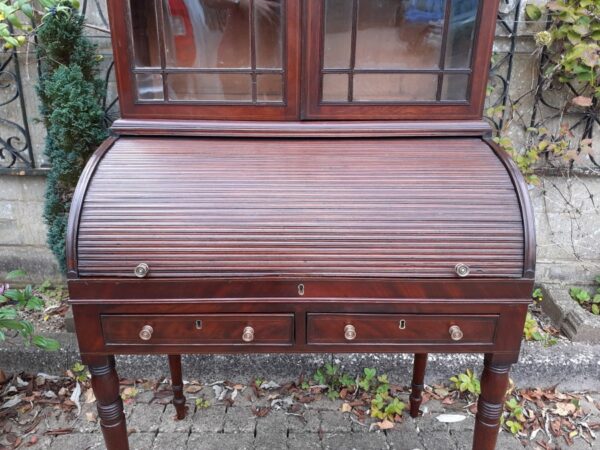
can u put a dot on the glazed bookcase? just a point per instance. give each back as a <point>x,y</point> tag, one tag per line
<point>301,176</point>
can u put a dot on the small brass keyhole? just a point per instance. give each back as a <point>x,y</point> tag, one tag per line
<point>402,324</point>
<point>198,324</point>
<point>300,289</point>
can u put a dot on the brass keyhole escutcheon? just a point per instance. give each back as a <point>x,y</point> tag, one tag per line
<point>248,334</point>
<point>146,333</point>
<point>198,324</point>
<point>349,332</point>
<point>300,289</point>
<point>402,324</point>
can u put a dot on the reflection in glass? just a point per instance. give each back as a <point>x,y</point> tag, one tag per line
<point>145,34</point>
<point>338,34</point>
<point>455,87</point>
<point>395,87</point>
<point>460,34</point>
<point>335,88</point>
<point>269,88</point>
<point>217,33</point>
<point>212,87</point>
<point>149,86</point>
<point>399,34</point>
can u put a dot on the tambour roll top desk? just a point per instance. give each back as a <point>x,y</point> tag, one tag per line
<point>300,176</point>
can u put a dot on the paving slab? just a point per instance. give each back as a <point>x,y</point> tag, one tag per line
<point>355,441</point>
<point>239,420</point>
<point>209,420</point>
<point>170,441</point>
<point>219,441</point>
<point>304,441</point>
<point>145,417</point>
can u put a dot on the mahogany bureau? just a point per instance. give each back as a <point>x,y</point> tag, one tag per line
<point>300,176</point>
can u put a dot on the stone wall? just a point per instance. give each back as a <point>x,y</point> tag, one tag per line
<point>566,207</point>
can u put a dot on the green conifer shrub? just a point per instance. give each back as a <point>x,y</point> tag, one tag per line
<point>70,93</point>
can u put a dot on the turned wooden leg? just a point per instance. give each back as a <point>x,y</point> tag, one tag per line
<point>417,386</point>
<point>177,383</point>
<point>494,383</point>
<point>105,383</point>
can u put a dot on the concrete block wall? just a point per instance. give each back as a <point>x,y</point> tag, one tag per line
<point>566,207</point>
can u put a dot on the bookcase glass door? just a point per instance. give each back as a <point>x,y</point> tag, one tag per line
<point>397,51</point>
<point>208,51</point>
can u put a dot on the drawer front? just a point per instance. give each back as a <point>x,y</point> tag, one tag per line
<point>400,328</point>
<point>199,329</point>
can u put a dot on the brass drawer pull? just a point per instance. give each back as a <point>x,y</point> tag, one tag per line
<point>146,333</point>
<point>455,333</point>
<point>350,332</point>
<point>141,270</point>
<point>248,334</point>
<point>462,270</point>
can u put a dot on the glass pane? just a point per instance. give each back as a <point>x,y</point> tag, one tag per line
<point>217,33</point>
<point>395,87</point>
<point>207,34</point>
<point>460,33</point>
<point>335,88</point>
<point>399,33</point>
<point>149,86</point>
<point>268,32</point>
<point>210,87</point>
<point>455,87</point>
<point>338,34</point>
<point>145,34</point>
<point>269,88</point>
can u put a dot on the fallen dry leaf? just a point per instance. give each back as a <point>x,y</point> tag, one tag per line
<point>564,409</point>
<point>346,407</point>
<point>582,100</point>
<point>385,425</point>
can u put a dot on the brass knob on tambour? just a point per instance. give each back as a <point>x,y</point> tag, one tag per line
<point>350,332</point>
<point>141,270</point>
<point>462,270</point>
<point>456,333</point>
<point>248,334</point>
<point>146,333</point>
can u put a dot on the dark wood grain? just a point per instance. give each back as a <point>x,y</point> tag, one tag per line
<point>494,382</point>
<point>215,208</point>
<point>105,383</point>
<point>418,383</point>
<point>177,386</point>
<point>253,216</point>
<point>384,329</point>
<point>213,329</point>
<point>321,128</point>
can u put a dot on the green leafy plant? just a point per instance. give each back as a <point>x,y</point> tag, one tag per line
<point>386,407</point>
<point>70,92</point>
<point>202,403</point>
<point>331,376</point>
<point>467,382</point>
<point>537,295</point>
<point>532,332</point>
<point>513,417</point>
<point>571,46</point>
<point>589,301</point>
<point>80,372</point>
<point>14,300</point>
<point>16,16</point>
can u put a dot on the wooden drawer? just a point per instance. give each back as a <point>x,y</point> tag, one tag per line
<point>400,328</point>
<point>199,329</point>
